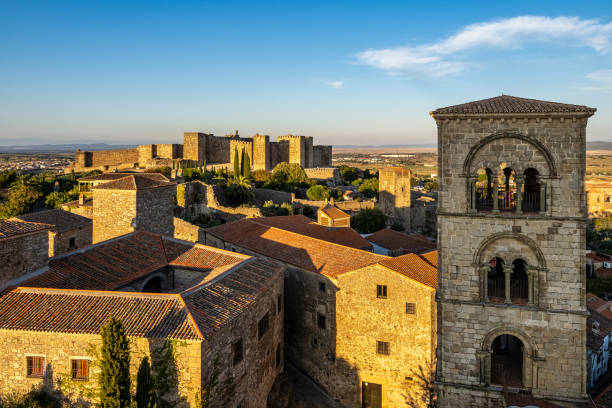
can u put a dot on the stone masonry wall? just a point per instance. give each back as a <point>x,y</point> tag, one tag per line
<point>322,156</point>
<point>113,213</point>
<point>261,152</point>
<point>59,348</point>
<point>363,319</point>
<point>217,149</point>
<point>279,152</point>
<point>146,153</point>
<point>168,151</point>
<point>113,157</point>
<point>155,209</point>
<point>22,255</point>
<point>194,146</point>
<point>394,195</point>
<point>254,375</point>
<point>59,243</point>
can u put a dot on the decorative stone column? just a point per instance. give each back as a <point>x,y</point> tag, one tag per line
<point>496,195</point>
<point>507,273</point>
<point>542,197</point>
<point>484,282</point>
<point>519,195</point>
<point>482,357</point>
<point>472,184</point>
<point>531,276</point>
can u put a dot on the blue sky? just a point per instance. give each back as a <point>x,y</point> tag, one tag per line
<point>345,72</point>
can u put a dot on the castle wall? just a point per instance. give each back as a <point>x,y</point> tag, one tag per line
<point>241,145</point>
<point>324,173</point>
<point>113,157</point>
<point>218,150</point>
<point>279,152</point>
<point>394,195</point>
<point>22,255</point>
<point>155,209</point>
<point>113,213</point>
<point>308,153</point>
<point>322,156</point>
<point>195,146</point>
<point>146,153</point>
<point>261,152</point>
<point>169,151</point>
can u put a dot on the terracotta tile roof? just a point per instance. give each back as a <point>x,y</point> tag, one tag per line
<point>333,212</point>
<point>134,182</point>
<point>305,226</point>
<point>70,311</point>
<point>14,227</point>
<point>599,257</point>
<point>431,257</point>
<point>213,305</point>
<point>596,304</point>
<point>604,399</point>
<point>395,240</point>
<point>512,104</point>
<point>60,220</point>
<point>116,176</point>
<point>603,272</point>
<point>88,202</point>
<point>305,252</point>
<point>595,339</point>
<point>115,263</point>
<point>414,267</point>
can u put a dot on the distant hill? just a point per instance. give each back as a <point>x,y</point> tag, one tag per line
<point>389,146</point>
<point>59,148</point>
<point>599,145</point>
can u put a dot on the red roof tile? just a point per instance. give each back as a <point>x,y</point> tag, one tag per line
<point>414,267</point>
<point>431,257</point>
<point>603,272</point>
<point>596,338</point>
<point>14,227</point>
<point>512,104</point>
<point>305,226</point>
<point>333,212</point>
<point>115,263</point>
<point>60,220</point>
<point>596,256</point>
<point>70,311</point>
<point>395,240</point>
<point>134,182</point>
<point>305,252</point>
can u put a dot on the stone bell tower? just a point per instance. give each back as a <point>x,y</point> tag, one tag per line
<point>511,241</point>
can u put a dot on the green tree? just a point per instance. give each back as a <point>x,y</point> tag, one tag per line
<point>431,185</point>
<point>237,191</point>
<point>145,386</point>
<point>246,165</point>
<point>348,173</point>
<point>290,173</point>
<point>57,198</point>
<point>369,187</point>
<point>318,193</point>
<point>21,199</point>
<point>236,163</point>
<point>114,366</point>
<point>369,220</point>
<point>7,177</point>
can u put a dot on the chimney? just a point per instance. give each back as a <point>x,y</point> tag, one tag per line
<point>81,199</point>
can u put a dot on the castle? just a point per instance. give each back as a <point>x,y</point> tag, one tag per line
<point>203,147</point>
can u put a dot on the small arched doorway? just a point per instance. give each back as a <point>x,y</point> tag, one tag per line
<point>496,281</point>
<point>507,361</point>
<point>153,285</point>
<point>519,282</point>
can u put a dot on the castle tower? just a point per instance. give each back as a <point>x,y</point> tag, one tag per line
<point>261,152</point>
<point>511,242</point>
<point>194,146</point>
<point>394,194</point>
<point>142,201</point>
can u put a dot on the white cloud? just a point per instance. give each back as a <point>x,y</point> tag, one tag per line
<point>444,57</point>
<point>335,84</point>
<point>602,81</point>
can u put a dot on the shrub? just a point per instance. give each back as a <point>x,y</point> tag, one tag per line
<point>237,191</point>
<point>56,199</point>
<point>7,177</point>
<point>369,220</point>
<point>318,193</point>
<point>271,209</point>
<point>369,187</point>
<point>290,173</point>
<point>160,169</point>
<point>309,212</point>
<point>348,173</point>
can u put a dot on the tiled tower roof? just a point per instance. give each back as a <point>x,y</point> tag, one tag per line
<point>512,104</point>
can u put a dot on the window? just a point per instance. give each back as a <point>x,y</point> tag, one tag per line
<point>381,291</point>
<point>80,369</point>
<point>278,355</point>
<point>315,343</point>
<point>322,287</point>
<point>321,321</point>
<point>279,303</point>
<point>72,243</point>
<point>382,347</point>
<point>237,351</point>
<point>264,325</point>
<point>410,308</point>
<point>35,366</point>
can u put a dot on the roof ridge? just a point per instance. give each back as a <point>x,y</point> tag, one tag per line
<point>92,292</point>
<point>314,238</point>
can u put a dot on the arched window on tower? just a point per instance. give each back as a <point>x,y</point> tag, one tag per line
<point>496,283</point>
<point>484,190</point>
<point>519,282</point>
<point>506,193</point>
<point>531,192</point>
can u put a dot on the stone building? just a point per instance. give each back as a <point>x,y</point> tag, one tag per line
<point>135,201</point>
<point>69,231</point>
<point>24,249</point>
<point>360,325</point>
<point>394,195</point>
<point>599,339</point>
<point>599,198</point>
<point>395,243</point>
<point>199,147</point>
<point>208,304</point>
<point>331,216</point>
<point>511,242</point>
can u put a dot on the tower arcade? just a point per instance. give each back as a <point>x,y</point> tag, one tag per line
<point>511,241</point>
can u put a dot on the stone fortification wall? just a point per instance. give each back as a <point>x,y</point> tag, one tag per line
<point>58,349</point>
<point>263,357</point>
<point>113,213</point>
<point>101,158</point>
<point>197,198</point>
<point>261,152</point>
<point>169,151</point>
<point>22,255</point>
<point>155,209</point>
<point>279,152</point>
<point>322,156</point>
<point>195,146</point>
<point>146,153</point>
<point>324,173</point>
<point>394,195</point>
<point>241,145</point>
<point>347,206</point>
<point>278,197</point>
<point>187,231</point>
<point>297,148</point>
<point>218,149</point>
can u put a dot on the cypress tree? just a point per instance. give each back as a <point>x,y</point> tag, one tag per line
<point>246,165</point>
<point>145,388</point>
<point>236,163</point>
<point>115,366</point>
